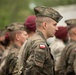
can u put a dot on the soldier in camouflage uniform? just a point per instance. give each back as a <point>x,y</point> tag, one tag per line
<point>12,27</point>
<point>30,27</point>
<point>68,58</point>
<point>36,55</point>
<point>17,37</point>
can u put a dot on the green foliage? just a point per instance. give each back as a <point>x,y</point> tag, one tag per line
<point>18,10</point>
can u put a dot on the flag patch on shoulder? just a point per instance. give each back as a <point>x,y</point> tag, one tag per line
<point>42,46</point>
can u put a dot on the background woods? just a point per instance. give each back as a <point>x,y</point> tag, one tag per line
<point>18,10</point>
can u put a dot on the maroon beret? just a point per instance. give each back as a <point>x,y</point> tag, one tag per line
<point>7,35</point>
<point>30,23</point>
<point>61,33</point>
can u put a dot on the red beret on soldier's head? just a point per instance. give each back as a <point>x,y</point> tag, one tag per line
<point>61,33</point>
<point>30,23</point>
<point>7,36</point>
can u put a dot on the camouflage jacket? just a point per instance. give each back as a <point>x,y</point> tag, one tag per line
<point>9,61</point>
<point>19,66</point>
<point>37,57</point>
<point>68,59</point>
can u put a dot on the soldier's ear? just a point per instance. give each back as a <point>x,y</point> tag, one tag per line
<point>17,37</point>
<point>44,25</point>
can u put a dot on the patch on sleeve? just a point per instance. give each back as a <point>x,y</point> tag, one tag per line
<point>39,58</point>
<point>42,46</point>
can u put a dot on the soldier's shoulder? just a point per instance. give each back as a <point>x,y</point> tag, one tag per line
<point>70,47</point>
<point>35,41</point>
<point>70,44</point>
<point>37,38</point>
<point>14,50</point>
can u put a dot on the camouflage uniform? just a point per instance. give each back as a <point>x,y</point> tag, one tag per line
<point>10,61</point>
<point>19,66</point>
<point>37,59</point>
<point>68,58</point>
<point>12,51</point>
<point>40,61</point>
<point>10,28</point>
<point>30,27</point>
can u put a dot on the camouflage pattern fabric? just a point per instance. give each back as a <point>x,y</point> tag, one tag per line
<point>37,59</point>
<point>15,26</point>
<point>48,12</point>
<point>19,66</point>
<point>70,22</point>
<point>68,59</point>
<point>10,61</point>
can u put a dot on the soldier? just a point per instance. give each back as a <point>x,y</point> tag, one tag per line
<point>12,27</point>
<point>69,53</point>
<point>37,59</point>
<point>17,37</point>
<point>30,27</point>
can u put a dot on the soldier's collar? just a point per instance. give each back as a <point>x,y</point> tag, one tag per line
<point>16,46</point>
<point>41,34</point>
